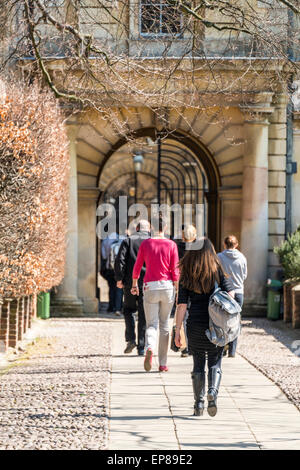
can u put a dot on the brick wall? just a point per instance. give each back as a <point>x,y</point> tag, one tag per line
<point>16,317</point>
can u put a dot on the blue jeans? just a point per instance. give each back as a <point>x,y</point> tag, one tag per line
<point>232,346</point>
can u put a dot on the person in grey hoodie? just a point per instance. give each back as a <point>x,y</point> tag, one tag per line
<point>234,264</point>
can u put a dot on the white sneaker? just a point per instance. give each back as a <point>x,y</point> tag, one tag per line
<point>118,313</point>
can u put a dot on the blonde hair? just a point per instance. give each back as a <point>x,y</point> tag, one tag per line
<point>190,232</point>
<point>231,242</point>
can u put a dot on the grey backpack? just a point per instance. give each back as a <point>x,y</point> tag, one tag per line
<point>224,318</point>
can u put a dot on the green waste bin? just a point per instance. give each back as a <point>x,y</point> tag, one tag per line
<point>274,299</point>
<point>43,305</point>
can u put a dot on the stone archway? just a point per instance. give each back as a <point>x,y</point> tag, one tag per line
<point>178,150</point>
<point>245,155</point>
<point>196,150</point>
<point>93,140</point>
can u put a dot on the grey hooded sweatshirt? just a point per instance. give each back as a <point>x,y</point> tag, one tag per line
<point>235,265</point>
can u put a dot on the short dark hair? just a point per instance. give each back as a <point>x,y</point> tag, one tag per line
<point>159,222</point>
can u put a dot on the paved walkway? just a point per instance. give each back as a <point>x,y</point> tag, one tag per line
<point>153,410</point>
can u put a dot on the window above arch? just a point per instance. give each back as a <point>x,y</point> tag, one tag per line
<point>159,18</point>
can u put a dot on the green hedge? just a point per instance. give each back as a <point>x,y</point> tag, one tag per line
<point>289,255</point>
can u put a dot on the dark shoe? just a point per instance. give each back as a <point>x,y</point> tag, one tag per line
<point>198,379</point>
<point>231,355</point>
<point>130,347</point>
<point>214,380</point>
<point>141,352</point>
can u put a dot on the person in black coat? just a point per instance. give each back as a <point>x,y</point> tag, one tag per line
<point>124,264</point>
<point>189,235</point>
<point>200,269</point>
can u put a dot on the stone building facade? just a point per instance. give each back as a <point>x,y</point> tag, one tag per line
<point>242,159</point>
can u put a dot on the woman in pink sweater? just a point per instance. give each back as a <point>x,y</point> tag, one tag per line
<point>160,256</point>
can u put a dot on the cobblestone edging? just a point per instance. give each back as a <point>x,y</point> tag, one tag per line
<point>268,346</point>
<point>57,396</point>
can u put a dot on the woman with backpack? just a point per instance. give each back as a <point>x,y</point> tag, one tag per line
<point>200,271</point>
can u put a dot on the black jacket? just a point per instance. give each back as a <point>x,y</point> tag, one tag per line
<point>126,258</point>
<point>182,248</point>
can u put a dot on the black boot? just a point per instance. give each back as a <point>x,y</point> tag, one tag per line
<point>198,379</point>
<point>214,379</point>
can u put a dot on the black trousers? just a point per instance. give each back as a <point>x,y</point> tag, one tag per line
<point>214,359</point>
<point>115,294</point>
<point>133,303</point>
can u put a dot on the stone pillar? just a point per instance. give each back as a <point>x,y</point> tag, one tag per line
<point>87,278</point>
<point>13,324</point>
<point>66,302</point>
<point>254,230</point>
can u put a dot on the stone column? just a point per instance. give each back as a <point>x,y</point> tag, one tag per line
<point>254,230</point>
<point>66,302</point>
<point>87,278</point>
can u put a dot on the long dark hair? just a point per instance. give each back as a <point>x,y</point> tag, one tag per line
<point>200,269</point>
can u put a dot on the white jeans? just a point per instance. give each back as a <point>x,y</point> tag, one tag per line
<point>158,306</point>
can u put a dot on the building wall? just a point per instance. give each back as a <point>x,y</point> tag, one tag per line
<point>296,177</point>
<point>277,179</point>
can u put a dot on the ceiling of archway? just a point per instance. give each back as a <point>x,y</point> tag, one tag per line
<point>97,137</point>
<point>180,168</point>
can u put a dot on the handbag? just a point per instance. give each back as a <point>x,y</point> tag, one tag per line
<point>173,346</point>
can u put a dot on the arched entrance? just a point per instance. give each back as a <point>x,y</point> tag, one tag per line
<point>187,173</point>
<point>173,167</point>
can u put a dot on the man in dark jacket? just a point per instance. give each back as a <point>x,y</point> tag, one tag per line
<point>189,235</point>
<point>123,274</point>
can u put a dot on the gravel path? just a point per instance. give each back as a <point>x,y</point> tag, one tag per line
<point>270,347</point>
<point>57,397</point>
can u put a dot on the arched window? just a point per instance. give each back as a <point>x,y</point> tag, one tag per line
<point>159,18</point>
